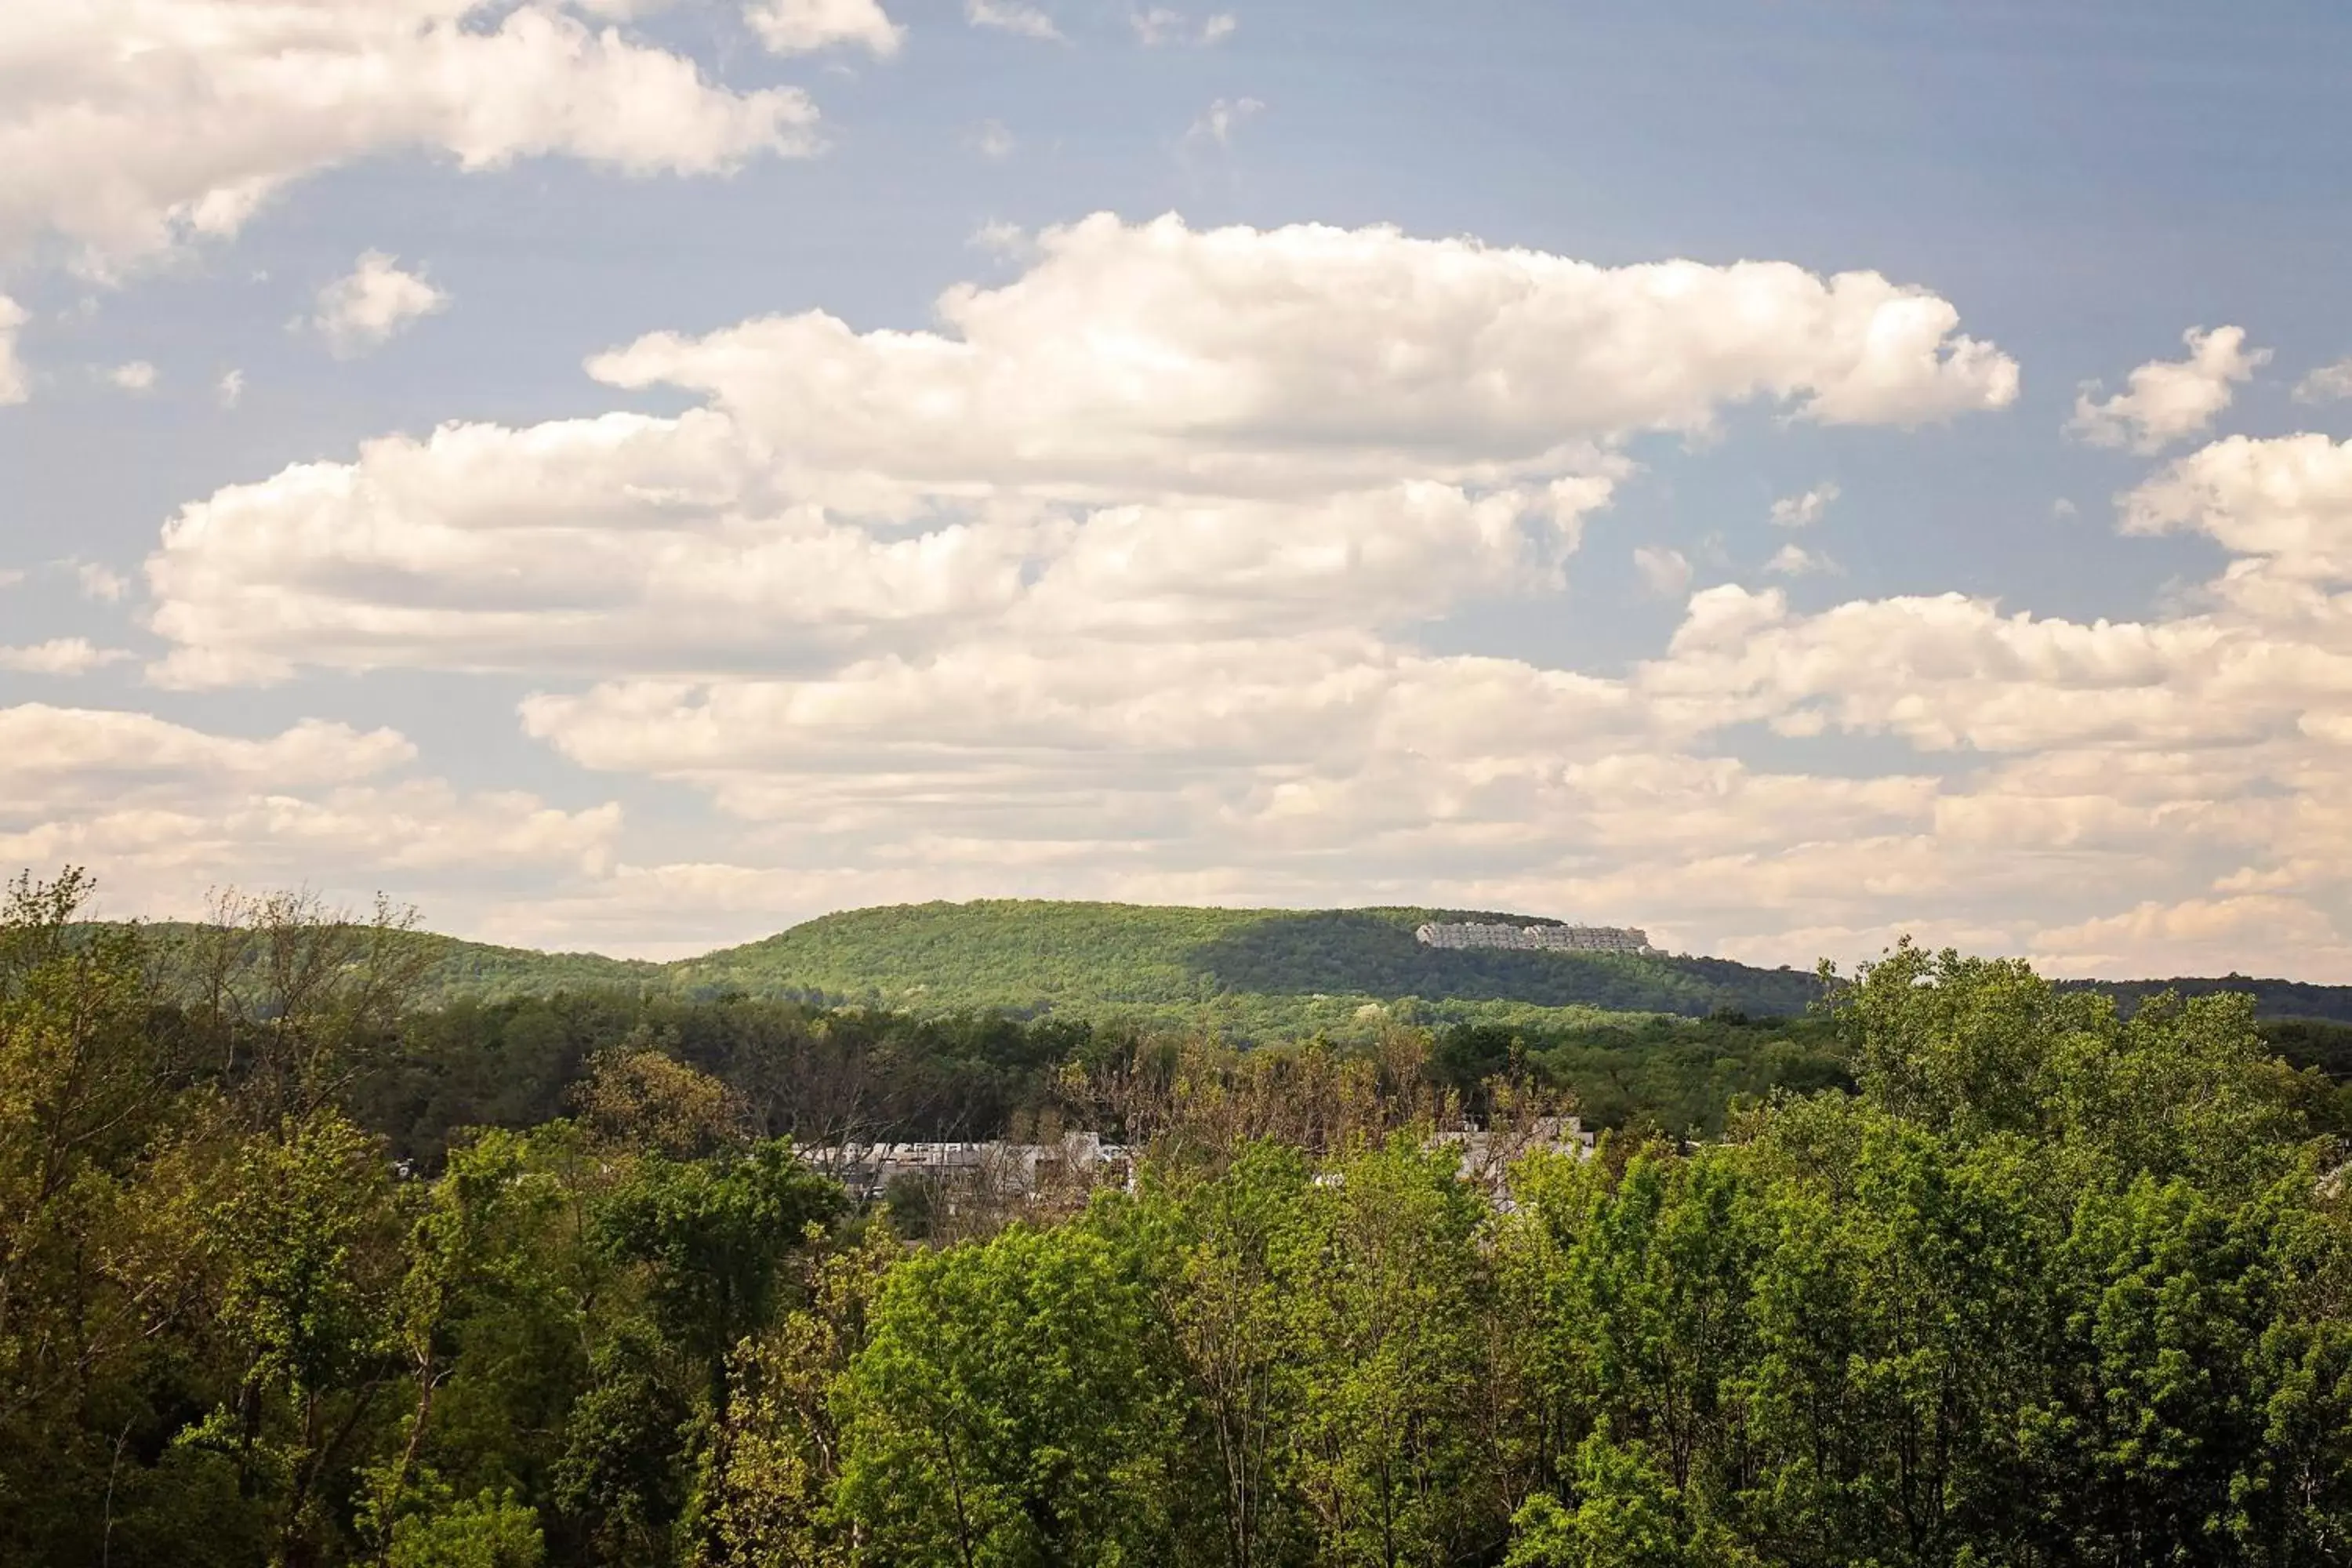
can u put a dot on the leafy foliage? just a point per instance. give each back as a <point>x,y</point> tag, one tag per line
<point>2025,1277</point>
<point>1009,1408</point>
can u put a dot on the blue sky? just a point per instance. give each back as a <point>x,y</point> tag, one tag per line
<point>1425,554</point>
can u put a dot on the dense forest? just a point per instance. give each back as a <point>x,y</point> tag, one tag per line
<point>297,1266</point>
<point>825,1075</point>
<point>1251,976</point>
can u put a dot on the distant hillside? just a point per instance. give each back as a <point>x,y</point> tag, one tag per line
<point>492,973</point>
<point>2272,998</point>
<point>1250,974</point>
<point>484,973</point>
<point>1252,971</point>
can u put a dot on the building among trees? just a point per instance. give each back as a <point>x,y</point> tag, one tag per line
<point>1537,937</point>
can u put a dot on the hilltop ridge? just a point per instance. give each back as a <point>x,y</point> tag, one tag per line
<point>1247,972</point>
<point>1246,968</point>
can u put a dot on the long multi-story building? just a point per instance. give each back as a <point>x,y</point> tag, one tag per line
<point>1536,939</point>
<point>868,1169</point>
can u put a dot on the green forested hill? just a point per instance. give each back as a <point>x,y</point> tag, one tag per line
<point>999,953</point>
<point>1248,971</point>
<point>1251,973</point>
<point>479,970</point>
<point>2272,998</point>
<point>1678,1039</point>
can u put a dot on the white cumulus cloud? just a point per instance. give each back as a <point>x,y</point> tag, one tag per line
<point>60,656</point>
<point>2327,383</point>
<point>1000,237</point>
<point>1158,27</point>
<point>2120,755</point>
<point>992,141</point>
<point>138,376</point>
<point>1159,353</point>
<point>1221,119</point>
<point>2165,401</point>
<point>165,809</point>
<point>366,307</point>
<point>1112,581</point>
<point>13,387</point>
<point>800,26</point>
<point>2193,936</point>
<point>1011,17</point>
<point>1806,510</point>
<point>128,126</point>
<point>1666,572</point>
<point>1796,561</point>
<point>2285,505</point>
<point>99,582</point>
<point>1212,424</point>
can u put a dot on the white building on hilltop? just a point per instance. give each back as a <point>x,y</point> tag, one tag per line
<point>1536,939</point>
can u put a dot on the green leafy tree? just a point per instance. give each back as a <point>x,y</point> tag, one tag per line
<point>294,1003</point>
<point>1627,1513</point>
<point>103,1170</point>
<point>1219,1246</point>
<point>1383,1285</point>
<point>484,1301</point>
<point>768,1480</point>
<point>490,1530</point>
<point>308,1244</point>
<point>709,1241</point>
<point>1666,1273</point>
<point>622,1478</point>
<point>1007,1410</point>
<point>1981,1046</point>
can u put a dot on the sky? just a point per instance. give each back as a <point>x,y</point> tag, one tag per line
<point>631,475</point>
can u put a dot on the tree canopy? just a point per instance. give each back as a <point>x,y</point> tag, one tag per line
<point>2012,1278</point>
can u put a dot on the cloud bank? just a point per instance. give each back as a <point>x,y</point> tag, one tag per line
<point>165,810</point>
<point>1112,582</point>
<point>1119,579</point>
<point>128,126</point>
<point>1154,430</point>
